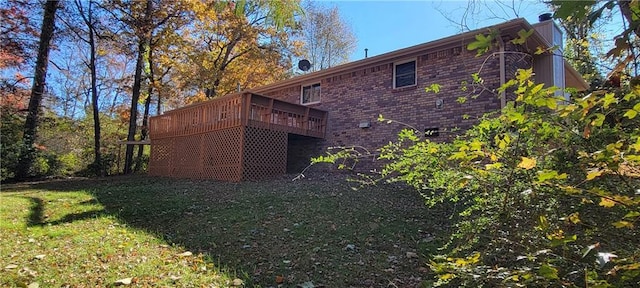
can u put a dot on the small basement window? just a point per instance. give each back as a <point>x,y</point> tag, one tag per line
<point>404,74</point>
<point>310,94</point>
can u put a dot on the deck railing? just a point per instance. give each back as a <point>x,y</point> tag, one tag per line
<point>246,109</point>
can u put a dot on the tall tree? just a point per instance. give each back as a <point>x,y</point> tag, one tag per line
<point>328,39</point>
<point>144,37</point>
<point>87,15</point>
<point>581,46</point>
<point>625,49</point>
<point>30,128</point>
<point>227,45</point>
<point>139,21</point>
<point>144,131</point>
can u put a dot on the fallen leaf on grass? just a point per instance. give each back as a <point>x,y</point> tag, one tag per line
<point>11,266</point>
<point>125,281</point>
<point>39,257</point>
<point>307,284</point>
<point>175,278</point>
<point>237,282</point>
<point>34,285</point>
<point>279,279</point>
<point>27,271</point>
<point>185,254</point>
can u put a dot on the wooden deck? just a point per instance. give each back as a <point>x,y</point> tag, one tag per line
<point>232,138</point>
<point>247,109</point>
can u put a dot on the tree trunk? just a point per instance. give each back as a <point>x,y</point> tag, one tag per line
<point>133,112</point>
<point>143,43</point>
<point>147,106</point>
<point>97,162</point>
<point>31,124</point>
<point>145,130</point>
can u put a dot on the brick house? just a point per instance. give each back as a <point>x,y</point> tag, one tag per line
<point>339,106</point>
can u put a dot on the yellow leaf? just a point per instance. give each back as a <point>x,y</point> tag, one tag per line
<point>630,114</point>
<point>447,277</point>
<point>606,202</point>
<point>527,163</point>
<point>622,224</point>
<point>574,218</point>
<point>593,174</point>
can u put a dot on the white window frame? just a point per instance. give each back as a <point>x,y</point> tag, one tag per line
<point>415,72</point>
<point>310,85</point>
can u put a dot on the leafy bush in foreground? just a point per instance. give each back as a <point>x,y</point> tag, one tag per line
<point>550,192</point>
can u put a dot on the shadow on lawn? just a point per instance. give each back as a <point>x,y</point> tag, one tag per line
<point>38,218</point>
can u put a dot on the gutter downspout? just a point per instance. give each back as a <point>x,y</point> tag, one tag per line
<point>503,72</point>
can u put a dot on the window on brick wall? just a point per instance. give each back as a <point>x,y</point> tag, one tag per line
<point>310,94</point>
<point>404,74</point>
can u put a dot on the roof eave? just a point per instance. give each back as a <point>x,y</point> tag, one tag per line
<point>573,79</point>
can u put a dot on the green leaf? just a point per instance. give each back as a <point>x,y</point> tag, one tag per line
<point>609,99</point>
<point>543,223</point>
<point>523,35</point>
<point>632,214</point>
<point>545,175</point>
<point>548,272</point>
<point>599,120</point>
<point>482,43</point>
<point>524,74</point>
<point>552,103</point>
<point>555,242</point>
<point>435,88</point>
<point>537,88</point>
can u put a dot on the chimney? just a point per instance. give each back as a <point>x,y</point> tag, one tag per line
<point>366,50</point>
<point>545,17</point>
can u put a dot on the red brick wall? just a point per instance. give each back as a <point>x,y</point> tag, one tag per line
<point>364,93</point>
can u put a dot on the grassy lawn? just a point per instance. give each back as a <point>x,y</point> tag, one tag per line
<point>88,233</point>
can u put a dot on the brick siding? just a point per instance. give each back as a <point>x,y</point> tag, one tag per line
<point>364,93</point>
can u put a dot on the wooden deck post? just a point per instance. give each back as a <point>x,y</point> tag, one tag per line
<point>270,110</point>
<point>305,120</point>
<point>246,109</point>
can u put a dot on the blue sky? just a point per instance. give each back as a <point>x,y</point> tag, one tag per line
<point>384,26</point>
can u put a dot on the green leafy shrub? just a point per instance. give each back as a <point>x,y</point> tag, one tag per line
<point>10,139</point>
<point>548,191</point>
